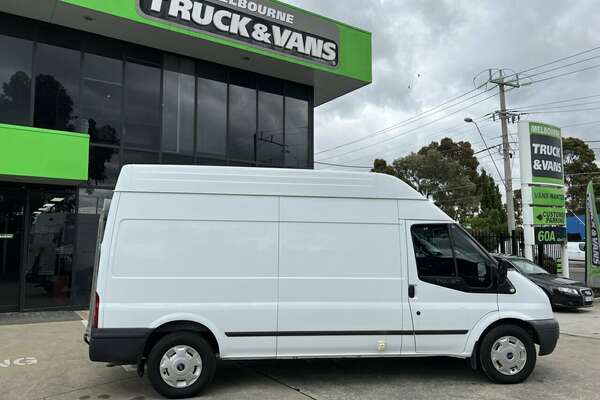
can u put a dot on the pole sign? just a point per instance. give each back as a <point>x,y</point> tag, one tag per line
<point>542,184</point>
<point>549,215</point>
<point>550,235</point>
<point>592,236</point>
<point>259,23</point>
<point>548,196</point>
<point>546,154</point>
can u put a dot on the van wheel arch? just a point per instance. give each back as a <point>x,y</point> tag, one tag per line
<point>180,326</point>
<point>511,321</point>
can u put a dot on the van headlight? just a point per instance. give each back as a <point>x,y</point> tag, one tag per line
<point>569,291</point>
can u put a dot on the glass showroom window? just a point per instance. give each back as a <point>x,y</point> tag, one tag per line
<point>178,106</point>
<point>297,127</point>
<point>15,72</point>
<point>270,141</point>
<point>58,67</point>
<point>102,91</point>
<point>142,106</point>
<point>211,112</point>
<point>242,136</point>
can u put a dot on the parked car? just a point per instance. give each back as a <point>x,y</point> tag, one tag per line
<point>562,292</point>
<point>199,263</point>
<point>576,251</point>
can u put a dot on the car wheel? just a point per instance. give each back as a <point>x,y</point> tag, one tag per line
<point>507,354</point>
<point>181,365</point>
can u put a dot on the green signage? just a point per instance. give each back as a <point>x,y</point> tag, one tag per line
<point>546,153</point>
<point>548,197</point>
<point>549,216</point>
<point>550,235</point>
<point>353,45</point>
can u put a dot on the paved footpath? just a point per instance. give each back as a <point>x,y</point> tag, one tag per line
<point>49,361</point>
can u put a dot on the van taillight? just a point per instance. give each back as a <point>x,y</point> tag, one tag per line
<point>96,311</point>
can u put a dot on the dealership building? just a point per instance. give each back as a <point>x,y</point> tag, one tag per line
<point>87,86</point>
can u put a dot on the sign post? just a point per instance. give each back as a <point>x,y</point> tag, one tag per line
<point>543,188</point>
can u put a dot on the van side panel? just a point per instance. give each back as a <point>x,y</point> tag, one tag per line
<point>340,278</point>
<point>204,258</point>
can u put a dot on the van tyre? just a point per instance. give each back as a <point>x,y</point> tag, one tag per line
<point>181,365</point>
<point>507,354</point>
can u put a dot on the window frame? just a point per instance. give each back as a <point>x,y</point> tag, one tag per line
<point>457,282</point>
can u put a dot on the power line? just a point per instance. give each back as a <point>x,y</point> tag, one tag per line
<point>402,124</point>
<point>556,61</point>
<point>490,153</point>
<point>582,124</point>
<point>410,130</point>
<point>562,66</point>
<point>559,101</point>
<point>562,111</point>
<point>453,129</point>
<point>589,103</point>
<point>429,137</point>
<point>564,74</point>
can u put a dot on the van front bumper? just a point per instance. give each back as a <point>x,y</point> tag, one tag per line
<point>547,332</point>
<point>117,346</point>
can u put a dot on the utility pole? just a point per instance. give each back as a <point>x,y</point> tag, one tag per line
<point>510,205</point>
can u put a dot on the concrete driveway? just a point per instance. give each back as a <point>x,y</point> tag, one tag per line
<point>49,361</point>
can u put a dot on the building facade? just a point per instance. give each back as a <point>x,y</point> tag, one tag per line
<point>87,86</point>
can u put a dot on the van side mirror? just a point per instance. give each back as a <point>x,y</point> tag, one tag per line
<point>502,273</point>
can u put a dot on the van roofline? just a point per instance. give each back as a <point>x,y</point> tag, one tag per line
<point>174,179</point>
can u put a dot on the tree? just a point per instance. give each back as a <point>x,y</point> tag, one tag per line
<point>382,167</point>
<point>580,168</point>
<point>462,153</point>
<point>439,178</point>
<point>492,216</point>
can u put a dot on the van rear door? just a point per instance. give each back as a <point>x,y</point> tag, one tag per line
<point>452,286</point>
<point>99,236</point>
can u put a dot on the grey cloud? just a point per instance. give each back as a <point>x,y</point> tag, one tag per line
<point>449,42</point>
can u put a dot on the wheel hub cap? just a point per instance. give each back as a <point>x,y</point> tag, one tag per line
<point>509,355</point>
<point>181,366</point>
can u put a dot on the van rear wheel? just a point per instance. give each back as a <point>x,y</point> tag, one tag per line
<point>181,365</point>
<point>507,354</point>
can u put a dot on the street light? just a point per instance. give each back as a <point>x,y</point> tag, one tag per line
<point>471,121</point>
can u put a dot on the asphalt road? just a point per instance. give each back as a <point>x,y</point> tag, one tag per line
<point>58,368</point>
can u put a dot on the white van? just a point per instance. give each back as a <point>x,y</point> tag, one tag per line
<point>200,263</point>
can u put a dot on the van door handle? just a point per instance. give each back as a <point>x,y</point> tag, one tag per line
<point>411,291</point>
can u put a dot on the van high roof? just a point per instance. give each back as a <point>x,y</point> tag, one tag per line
<point>262,182</point>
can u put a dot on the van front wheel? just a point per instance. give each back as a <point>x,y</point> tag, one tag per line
<point>180,365</point>
<point>507,354</point>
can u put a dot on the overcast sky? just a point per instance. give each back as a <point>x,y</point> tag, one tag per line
<point>428,51</point>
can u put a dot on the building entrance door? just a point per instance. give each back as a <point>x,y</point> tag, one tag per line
<point>50,247</point>
<point>12,207</point>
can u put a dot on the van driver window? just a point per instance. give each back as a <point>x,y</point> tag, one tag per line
<point>473,266</point>
<point>433,251</point>
<point>446,251</point>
